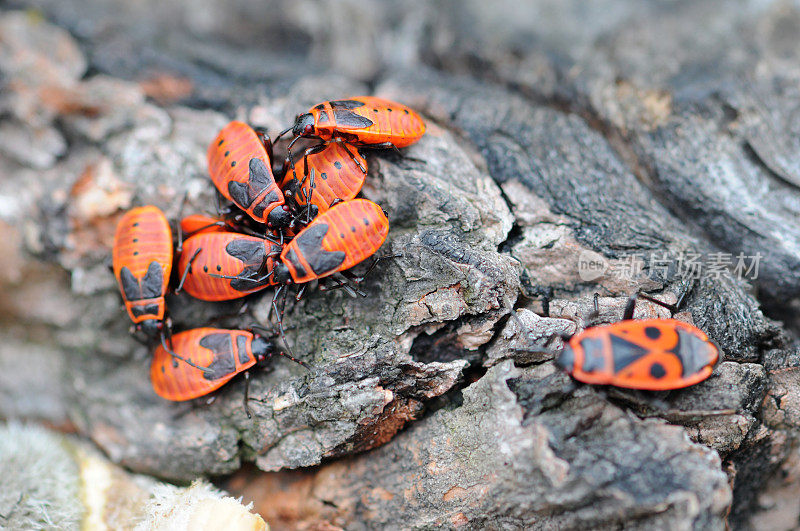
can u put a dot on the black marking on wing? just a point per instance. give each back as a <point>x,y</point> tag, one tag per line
<point>269,199</point>
<point>241,349</point>
<point>694,353</point>
<point>625,352</point>
<point>323,117</point>
<point>260,179</point>
<point>593,359</point>
<point>144,309</point>
<point>320,106</point>
<point>347,118</point>
<point>153,281</point>
<point>310,244</point>
<point>130,286</point>
<point>223,364</point>
<point>566,359</point>
<point>150,287</point>
<point>291,257</point>
<point>252,254</point>
<point>346,104</point>
<point>239,194</point>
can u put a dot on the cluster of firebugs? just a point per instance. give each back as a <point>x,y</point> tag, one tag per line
<point>308,225</point>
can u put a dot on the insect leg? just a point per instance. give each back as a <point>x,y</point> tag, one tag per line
<point>247,394</point>
<point>630,307</point>
<point>352,156</point>
<point>258,280</point>
<point>261,133</point>
<point>544,348</point>
<point>299,362</point>
<point>301,292</point>
<point>311,187</point>
<point>279,314</point>
<point>594,315</point>
<point>178,356</point>
<point>342,282</point>
<point>360,279</point>
<point>673,308</point>
<point>290,155</point>
<point>187,269</point>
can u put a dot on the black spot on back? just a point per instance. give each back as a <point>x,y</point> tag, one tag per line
<point>657,371</point>
<point>323,118</point>
<point>337,165</point>
<point>251,252</point>
<point>652,332</point>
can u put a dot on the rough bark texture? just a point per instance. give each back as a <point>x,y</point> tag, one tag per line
<point>558,131</point>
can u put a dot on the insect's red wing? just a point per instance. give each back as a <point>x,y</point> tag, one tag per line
<point>223,354</point>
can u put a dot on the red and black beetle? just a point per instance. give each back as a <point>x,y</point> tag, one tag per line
<point>142,262</point>
<point>220,266</point>
<point>211,357</point>
<point>361,121</point>
<point>240,167</point>
<point>647,354</point>
<point>347,234</point>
